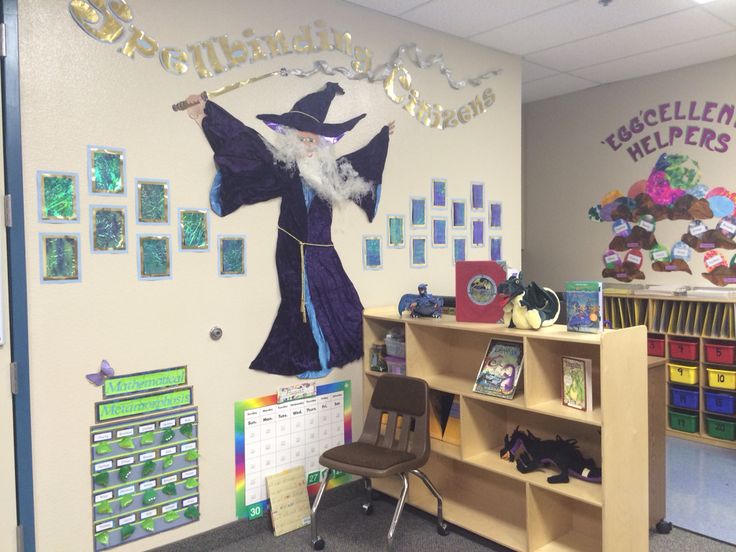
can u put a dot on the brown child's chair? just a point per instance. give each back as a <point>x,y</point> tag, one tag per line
<point>395,441</point>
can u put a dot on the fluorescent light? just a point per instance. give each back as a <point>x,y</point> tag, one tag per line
<point>702,1</point>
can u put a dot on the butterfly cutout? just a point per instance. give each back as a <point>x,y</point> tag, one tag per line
<point>98,378</point>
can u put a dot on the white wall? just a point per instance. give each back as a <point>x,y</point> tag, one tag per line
<point>77,91</point>
<point>568,169</point>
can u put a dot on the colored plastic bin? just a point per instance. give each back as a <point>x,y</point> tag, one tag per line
<point>720,403</point>
<point>683,350</point>
<point>680,373</point>
<point>655,346</point>
<point>396,365</point>
<point>720,428</point>
<point>723,379</point>
<point>720,353</point>
<point>395,347</point>
<point>682,397</point>
<point>683,421</point>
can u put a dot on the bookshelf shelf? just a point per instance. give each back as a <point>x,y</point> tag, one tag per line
<point>700,320</point>
<point>488,495</point>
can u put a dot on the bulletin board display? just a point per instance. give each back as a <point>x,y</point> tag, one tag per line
<point>272,436</point>
<point>145,476</point>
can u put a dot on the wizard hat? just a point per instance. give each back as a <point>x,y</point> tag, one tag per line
<point>308,114</point>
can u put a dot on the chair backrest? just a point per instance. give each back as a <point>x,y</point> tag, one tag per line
<point>398,415</point>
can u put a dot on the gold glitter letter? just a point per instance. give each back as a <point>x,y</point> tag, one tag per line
<point>94,19</point>
<point>174,60</point>
<point>139,42</point>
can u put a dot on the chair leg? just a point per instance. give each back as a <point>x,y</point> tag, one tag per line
<point>399,508</point>
<point>368,504</point>
<point>441,525</point>
<point>318,543</point>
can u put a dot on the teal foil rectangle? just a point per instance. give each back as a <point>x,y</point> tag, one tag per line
<point>232,256</point>
<point>155,257</point>
<point>58,197</point>
<point>193,229</point>
<point>108,232</point>
<point>60,257</point>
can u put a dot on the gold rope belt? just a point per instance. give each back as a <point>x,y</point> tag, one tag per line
<point>301,243</point>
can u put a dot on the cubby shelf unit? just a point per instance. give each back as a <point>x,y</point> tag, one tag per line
<point>489,496</point>
<point>683,319</point>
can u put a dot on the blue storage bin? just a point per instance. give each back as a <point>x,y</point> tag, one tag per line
<point>720,403</point>
<point>682,397</point>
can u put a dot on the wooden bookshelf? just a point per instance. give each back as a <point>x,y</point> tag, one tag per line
<point>489,496</point>
<point>675,319</point>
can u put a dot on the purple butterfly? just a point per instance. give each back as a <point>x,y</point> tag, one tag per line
<point>98,378</point>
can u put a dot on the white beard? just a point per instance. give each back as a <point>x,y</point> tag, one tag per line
<point>334,182</point>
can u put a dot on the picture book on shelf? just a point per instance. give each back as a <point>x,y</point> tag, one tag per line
<point>500,370</point>
<point>584,304</point>
<point>577,383</point>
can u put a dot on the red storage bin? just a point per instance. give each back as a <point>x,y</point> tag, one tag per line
<point>655,346</point>
<point>683,350</point>
<point>719,353</point>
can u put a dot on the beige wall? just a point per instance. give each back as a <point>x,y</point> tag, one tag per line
<point>77,91</point>
<point>568,169</point>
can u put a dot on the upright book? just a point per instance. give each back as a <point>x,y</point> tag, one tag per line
<point>584,304</point>
<point>577,383</point>
<point>500,370</point>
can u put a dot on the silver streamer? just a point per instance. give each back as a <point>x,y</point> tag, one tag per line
<point>414,54</point>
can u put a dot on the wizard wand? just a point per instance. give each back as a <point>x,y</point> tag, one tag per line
<point>182,105</point>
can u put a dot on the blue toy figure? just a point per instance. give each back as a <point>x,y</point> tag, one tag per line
<point>423,304</point>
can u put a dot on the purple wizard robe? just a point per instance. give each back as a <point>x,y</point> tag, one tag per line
<point>332,336</point>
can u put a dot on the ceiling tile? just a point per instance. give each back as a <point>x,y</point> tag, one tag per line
<point>574,21</point>
<point>553,86</point>
<point>468,17</point>
<point>662,32</point>
<point>532,71</point>
<point>725,9</point>
<point>391,7</point>
<point>675,57</point>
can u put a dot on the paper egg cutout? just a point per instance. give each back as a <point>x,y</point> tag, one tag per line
<point>681,250</point>
<point>721,205</point>
<point>727,226</point>
<point>635,257</point>
<point>659,253</point>
<point>621,227</point>
<point>647,222</point>
<point>696,228</point>
<point>713,259</point>
<point>611,259</point>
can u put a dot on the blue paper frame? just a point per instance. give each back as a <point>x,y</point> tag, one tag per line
<point>389,242</point>
<point>495,250</point>
<point>459,243</point>
<point>43,237</point>
<point>139,240</point>
<point>180,224</point>
<point>477,196</point>
<point>477,225</point>
<point>139,182</point>
<point>459,214</point>
<point>495,213</point>
<point>40,175</point>
<point>91,149</point>
<point>418,212</point>
<point>369,262</point>
<point>418,255</point>
<point>93,228</point>
<point>220,264</point>
<point>440,237</point>
<point>438,193</point>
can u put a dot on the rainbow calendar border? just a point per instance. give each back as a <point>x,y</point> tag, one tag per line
<point>253,511</point>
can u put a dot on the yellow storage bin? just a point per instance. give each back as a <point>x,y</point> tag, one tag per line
<point>680,373</point>
<point>724,379</point>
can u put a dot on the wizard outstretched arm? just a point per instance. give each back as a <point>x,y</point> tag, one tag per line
<point>246,172</point>
<point>369,162</point>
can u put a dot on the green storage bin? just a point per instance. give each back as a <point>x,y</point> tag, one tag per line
<point>683,421</point>
<point>720,428</point>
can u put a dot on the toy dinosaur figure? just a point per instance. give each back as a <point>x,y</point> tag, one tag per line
<point>423,304</point>
<point>528,307</point>
<point>531,453</point>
